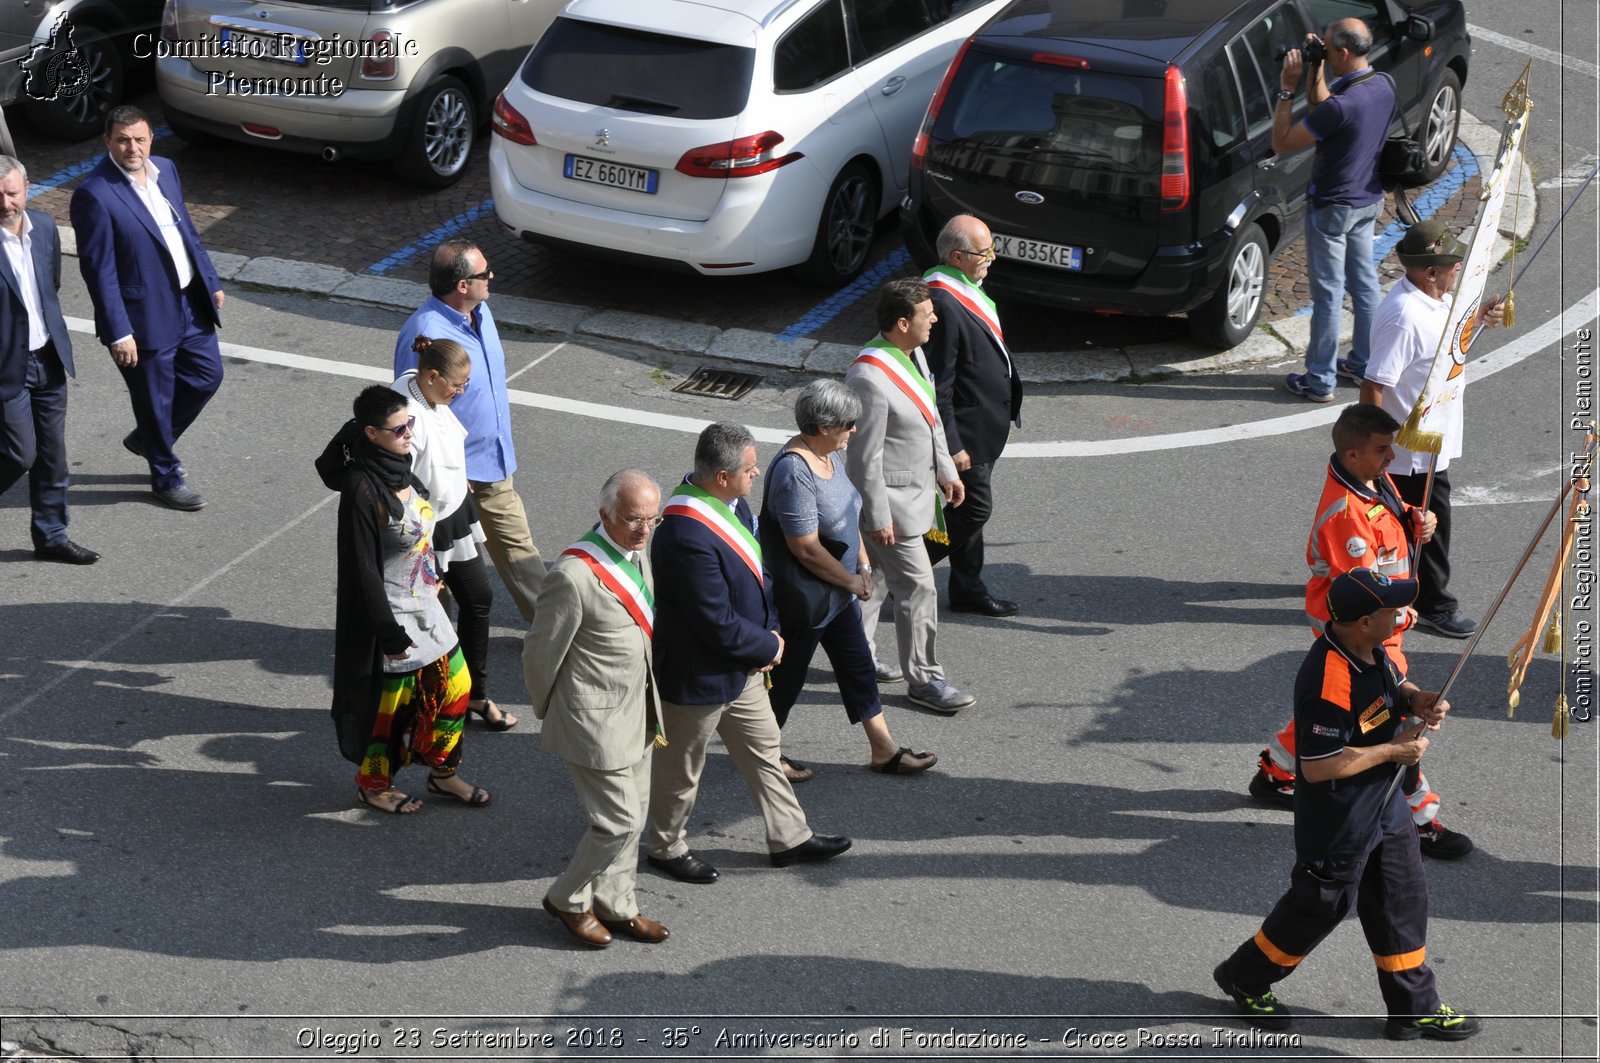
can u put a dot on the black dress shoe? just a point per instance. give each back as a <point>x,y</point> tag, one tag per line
<point>67,552</point>
<point>985,606</point>
<point>685,868</point>
<point>815,848</point>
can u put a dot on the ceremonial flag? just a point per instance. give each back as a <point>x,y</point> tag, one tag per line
<point>1450,358</point>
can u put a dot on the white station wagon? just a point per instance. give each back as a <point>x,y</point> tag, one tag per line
<point>727,136</point>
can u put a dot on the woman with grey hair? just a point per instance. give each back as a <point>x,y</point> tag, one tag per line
<point>811,501</point>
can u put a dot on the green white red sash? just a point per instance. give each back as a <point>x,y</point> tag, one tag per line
<point>973,298</point>
<point>903,374</point>
<point>620,575</point>
<point>696,504</point>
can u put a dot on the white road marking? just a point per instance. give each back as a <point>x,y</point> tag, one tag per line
<point>536,361</point>
<point>1571,175</point>
<point>1548,55</point>
<point>1515,350</point>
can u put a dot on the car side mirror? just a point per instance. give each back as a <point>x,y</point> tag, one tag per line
<point>1419,28</point>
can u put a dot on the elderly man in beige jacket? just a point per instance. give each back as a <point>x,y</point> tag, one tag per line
<point>587,665</point>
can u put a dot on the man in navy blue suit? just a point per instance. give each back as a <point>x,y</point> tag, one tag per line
<point>35,361</point>
<point>716,638</point>
<point>157,298</point>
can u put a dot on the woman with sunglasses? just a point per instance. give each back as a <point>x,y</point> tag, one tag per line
<point>811,530</point>
<point>439,459</point>
<point>400,685</point>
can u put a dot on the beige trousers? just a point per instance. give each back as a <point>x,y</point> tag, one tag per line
<point>603,870</point>
<point>509,542</point>
<point>750,732</point>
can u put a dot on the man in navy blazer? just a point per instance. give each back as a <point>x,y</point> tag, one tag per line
<point>35,361</point>
<point>716,638</point>
<point>157,298</point>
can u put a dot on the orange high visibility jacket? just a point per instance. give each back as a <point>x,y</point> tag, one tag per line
<point>1357,528</point>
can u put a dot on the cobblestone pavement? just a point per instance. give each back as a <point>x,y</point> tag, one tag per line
<point>360,217</point>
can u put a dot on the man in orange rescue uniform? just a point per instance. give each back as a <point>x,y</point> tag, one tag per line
<point>1362,522</point>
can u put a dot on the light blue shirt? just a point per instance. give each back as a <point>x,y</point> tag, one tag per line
<point>485,407</point>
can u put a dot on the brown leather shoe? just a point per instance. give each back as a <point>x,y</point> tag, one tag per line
<point>639,928</point>
<point>584,926</point>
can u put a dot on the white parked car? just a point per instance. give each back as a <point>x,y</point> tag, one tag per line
<point>730,136</point>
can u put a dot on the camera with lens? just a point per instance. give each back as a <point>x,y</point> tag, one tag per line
<point>1313,51</point>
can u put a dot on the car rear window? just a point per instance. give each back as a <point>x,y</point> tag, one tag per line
<point>1089,120</point>
<point>631,70</point>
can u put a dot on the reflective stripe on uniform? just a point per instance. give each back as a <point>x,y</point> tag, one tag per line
<point>1273,952</point>
<point>1404,961</point>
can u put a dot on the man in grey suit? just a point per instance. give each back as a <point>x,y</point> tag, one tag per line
<point>587,665</point>
<point>900,462</point>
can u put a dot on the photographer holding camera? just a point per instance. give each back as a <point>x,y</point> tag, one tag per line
<point>1348,122</point>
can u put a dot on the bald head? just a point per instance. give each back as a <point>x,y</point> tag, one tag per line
<point>1348,41</point>
<point>967,244</point>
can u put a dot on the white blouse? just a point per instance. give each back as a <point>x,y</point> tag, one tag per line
<point>438,448</point>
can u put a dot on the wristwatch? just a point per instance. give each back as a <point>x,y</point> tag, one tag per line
<point>1285,95</point>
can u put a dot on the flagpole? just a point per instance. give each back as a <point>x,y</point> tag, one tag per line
<point>1483,625</point>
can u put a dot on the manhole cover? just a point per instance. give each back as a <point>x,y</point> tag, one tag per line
<point>718,383</point>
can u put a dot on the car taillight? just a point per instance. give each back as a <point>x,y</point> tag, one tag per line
<point>744,157</point>
<point>380,57</point>
<point>169,20</point>
<point>919,147</point>
<point>509,123</point>
<point>1175,144</point>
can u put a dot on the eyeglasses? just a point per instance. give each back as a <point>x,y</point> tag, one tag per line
<point>644,522</point>
<point>400,431</point>
<point>486,275</point>
<point>987,252</point>
<point>848,424</point>
<point>459,389</point>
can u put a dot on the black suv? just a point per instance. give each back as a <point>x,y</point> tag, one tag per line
<point>1121,150</point>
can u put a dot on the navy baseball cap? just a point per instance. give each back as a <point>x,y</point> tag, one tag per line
<point>1363,591</point>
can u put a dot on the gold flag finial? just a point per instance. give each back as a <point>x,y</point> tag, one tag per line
<point>1516,103</point>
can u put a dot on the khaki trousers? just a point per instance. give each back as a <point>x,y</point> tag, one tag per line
<point>905,571</point>
<point>749,730</point>
<point>509,542</point>
<point>603,870</point>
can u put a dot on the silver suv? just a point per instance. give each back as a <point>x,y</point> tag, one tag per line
<point>63,64</point>
<point>408,80</point>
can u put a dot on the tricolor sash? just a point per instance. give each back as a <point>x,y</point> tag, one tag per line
<point>973,298</point>
<point>697,504</point>
<point>903,374</point>
<point>620,575</point>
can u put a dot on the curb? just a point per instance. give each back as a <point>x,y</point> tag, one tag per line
<point>1273,341</point>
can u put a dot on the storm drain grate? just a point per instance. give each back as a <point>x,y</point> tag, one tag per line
<point>718,383</point>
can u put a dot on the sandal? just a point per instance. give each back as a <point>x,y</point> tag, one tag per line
<point>793,770</point>
<point>478,798</point>
<point>500,721</point>
<point>399,808</point>
<point>905,762</point>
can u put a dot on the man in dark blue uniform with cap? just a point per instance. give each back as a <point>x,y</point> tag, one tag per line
<point>1354,842</point>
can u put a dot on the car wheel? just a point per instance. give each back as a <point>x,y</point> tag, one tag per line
<point>845,228</point>
<point>1439,125</point>
<point>443,130</point>
<point>1230,315</point>
<point>86,90</point>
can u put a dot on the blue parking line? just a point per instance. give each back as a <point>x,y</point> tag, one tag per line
<point>1426,205</point>
<point>839,301</point>
<point>432,238</point>
<point>78,169</point>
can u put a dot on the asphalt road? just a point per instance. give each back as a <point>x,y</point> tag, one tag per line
<point>184,873</point>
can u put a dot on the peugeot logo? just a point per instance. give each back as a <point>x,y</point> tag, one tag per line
<point>1032,199</point>
<point>602,138</point>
